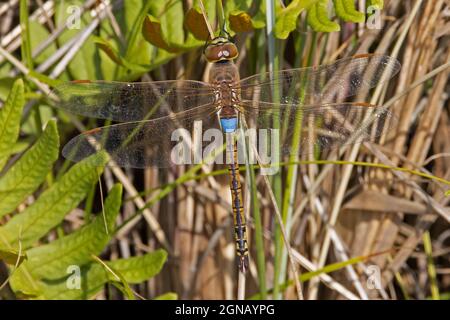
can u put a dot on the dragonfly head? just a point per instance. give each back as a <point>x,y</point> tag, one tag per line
<point>220,49</point>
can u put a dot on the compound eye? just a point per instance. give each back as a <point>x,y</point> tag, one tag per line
<point>212,53</point>
<point>230,51</point>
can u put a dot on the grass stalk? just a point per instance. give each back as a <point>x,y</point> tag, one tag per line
<point>430,266</point>
<point>25,35</point>
<point>257,220</point>
<point>274,66</point>
<point>221,16</point>
<point>292,173</point>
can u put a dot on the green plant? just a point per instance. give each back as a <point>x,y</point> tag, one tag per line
<point>40,268</point>
<point>166,24</point>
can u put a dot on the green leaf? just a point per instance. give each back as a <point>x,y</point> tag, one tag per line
<point>172,23</point>
<point>286,20</point>
<point>10,116</point>
<point>19,147</point>
<point>51,207</point>
<point>30,125</point>
<point>108,67</point>
<point>152,31</point>
<point>167,296</point>
<point>379,4</point>
<point>94,277</point>
<point>108,49</point>
<point>115,56</point>
<point>83,65</point>
<point>117,280</point>
<point>345,9</point>
<point>245,15</point>
<point>40,34</point>
<point>240,21</point>
<point>131,12</point>
<point>259,19</point>
<point>134,35</point>
<point>51,261</point>
<point>138,269</point>
<point>44,79</point>
<point>317,15</point>
<point>164,28</point>
<point>318,18</point>
<point>138,50</point>
<point>124,287</point>
<point>196,24</point>
<point>30,171</point>
<point>5,70</point>
<point>25,34</point>
<point>12,256</point>
<point>6,84</point>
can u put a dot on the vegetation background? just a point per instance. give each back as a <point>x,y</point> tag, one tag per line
<point>379,212</point>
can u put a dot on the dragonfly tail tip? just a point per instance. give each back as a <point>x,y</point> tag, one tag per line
<point>243,264</point>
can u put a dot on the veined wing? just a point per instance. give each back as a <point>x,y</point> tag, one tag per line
<point>124,102</point>
<point>321,84</point>
<point>318,128</point>
<point>147,143</point>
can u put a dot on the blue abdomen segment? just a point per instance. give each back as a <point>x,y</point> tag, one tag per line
<point>229,125</point>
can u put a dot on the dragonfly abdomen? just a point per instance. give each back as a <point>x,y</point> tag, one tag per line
<point>240,229</point>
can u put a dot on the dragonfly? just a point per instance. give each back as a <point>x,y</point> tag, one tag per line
<point>308,106</point>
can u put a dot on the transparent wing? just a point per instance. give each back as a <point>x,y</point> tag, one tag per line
<point>124,102</point>
<point>158,142</point>
<point>311,129</point>
<point>322,84</point>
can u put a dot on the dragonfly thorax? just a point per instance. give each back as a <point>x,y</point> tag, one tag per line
<point>224,78</point>
<point>226,95</point>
